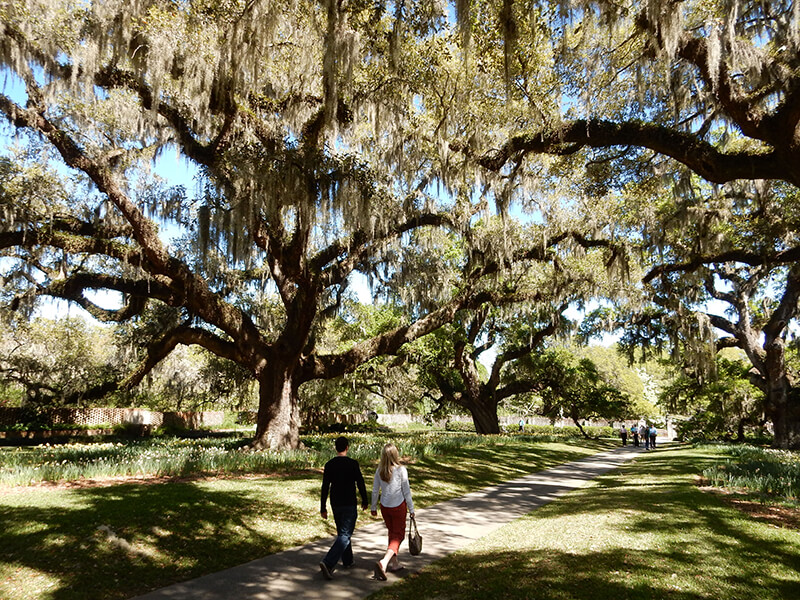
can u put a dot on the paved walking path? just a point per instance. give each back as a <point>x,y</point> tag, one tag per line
<point>445,528</point>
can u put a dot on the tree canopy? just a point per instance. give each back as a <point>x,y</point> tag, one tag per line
<point>440,150</point>
<point>318,160</point>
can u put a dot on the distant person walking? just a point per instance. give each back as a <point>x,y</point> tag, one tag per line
<point>341,477</point>
<point>653,433</point>
<point>623,433</point>
<point>391,484</point>
<point>644,433</point>
<point>635,435</point>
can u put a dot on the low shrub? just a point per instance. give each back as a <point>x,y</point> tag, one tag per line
<point>462,426</point>
<point>703,428</point>
<point>768,473</point>
<point>567,431</point>
<point>365,427</point>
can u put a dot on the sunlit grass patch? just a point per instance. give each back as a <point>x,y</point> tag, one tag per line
<point>26,583</point>
<point>122,540</point>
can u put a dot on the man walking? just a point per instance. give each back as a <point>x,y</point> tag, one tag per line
<point>341,477</point>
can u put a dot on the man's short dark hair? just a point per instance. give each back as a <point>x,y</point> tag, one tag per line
<point>342,443</point>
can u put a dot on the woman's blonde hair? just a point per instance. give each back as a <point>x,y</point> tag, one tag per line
<point>390,458</point>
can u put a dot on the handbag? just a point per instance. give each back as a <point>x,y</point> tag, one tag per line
<point>414,538</point>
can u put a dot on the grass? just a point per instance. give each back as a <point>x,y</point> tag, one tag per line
<point>177,457</point>
<point>117,541</point>
<point>644,531</point>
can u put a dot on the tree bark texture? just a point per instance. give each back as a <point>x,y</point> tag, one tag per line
<point>782,403</point>
<point>484,415</point>
<point>278,423</point>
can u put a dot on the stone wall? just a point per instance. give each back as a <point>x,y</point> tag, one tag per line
<point>119,416</point>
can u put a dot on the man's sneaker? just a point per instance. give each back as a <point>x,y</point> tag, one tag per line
<point>326,570</point>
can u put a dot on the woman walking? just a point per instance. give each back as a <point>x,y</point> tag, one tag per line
<point>391,484</point>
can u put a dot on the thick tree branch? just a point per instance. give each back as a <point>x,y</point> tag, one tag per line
<point>787,309</point>
<point>724,324</point>
<point>76,244</point>
<point>113,77</point>
<point>728,342</point>
<point>187,336</point>
<point>333,365</point>
<point>787,256</point>
<point>700,156</point>
<point>777,128</point>
<point>516,387</point>
<point>522,350</point>
<point>199,297</point>
<point>137,290</point>
<point>360,245</point>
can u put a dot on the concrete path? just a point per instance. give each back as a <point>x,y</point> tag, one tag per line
<point>445,528</point>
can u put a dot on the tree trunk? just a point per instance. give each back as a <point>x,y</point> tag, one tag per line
<point>740,430</point>
<point>782,404</point>
<point>784,411</point>
<point>278,424</point>
<point>484,415</point>
<point>580,428</point>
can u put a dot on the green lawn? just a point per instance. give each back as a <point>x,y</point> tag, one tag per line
<point>642,532</point>
<point>122,540</point>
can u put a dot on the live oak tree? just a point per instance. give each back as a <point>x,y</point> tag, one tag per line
<point>572,387</point>
<point>326,133</point>
<point>318,157</point>
<point>740,254</point>
<point>473,362</point>
<point>642,382</point>
<point>301,118</point>
<point>382,384</point>
<point>48,363</point>
<point>646,95</point>
<point>449,363</point>
<point>722,408</point>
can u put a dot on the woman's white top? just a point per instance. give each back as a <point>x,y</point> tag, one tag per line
<point>394,492</point>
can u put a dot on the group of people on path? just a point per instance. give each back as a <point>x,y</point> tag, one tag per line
<point>646,434</point>
<point>340,479</point>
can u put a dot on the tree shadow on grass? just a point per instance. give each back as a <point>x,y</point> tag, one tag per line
<point>601,575</point>
<point>123,540</point>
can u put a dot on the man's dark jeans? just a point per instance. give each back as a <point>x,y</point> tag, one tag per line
<point>345,518</point>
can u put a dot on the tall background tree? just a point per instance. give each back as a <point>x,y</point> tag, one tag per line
<point>572,387</point>
<point>725,407</point>
<point>472,362</point>
<point>649,97</point>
